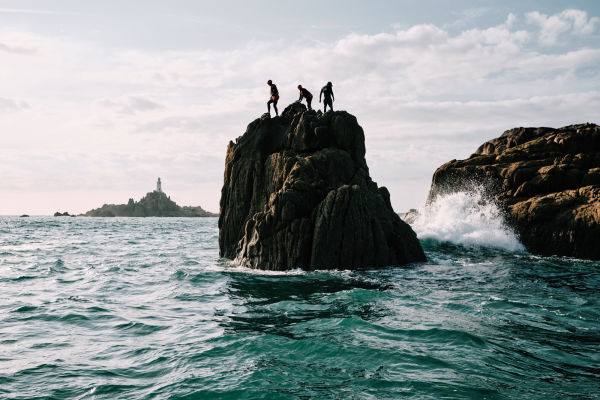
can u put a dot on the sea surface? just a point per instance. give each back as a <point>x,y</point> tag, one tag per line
<point>144,308</point>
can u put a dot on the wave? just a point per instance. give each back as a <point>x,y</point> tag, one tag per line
<point>466,218</point>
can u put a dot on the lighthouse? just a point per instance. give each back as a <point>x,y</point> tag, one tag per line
<point>158,186</point>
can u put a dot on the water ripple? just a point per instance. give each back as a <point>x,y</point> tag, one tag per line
<point>144,308</point>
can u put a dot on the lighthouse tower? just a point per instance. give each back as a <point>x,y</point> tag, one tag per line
<point>158,186</point>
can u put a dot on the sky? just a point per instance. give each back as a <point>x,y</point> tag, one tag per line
<point>99,99</point>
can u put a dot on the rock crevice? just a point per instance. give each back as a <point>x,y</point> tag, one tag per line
<point>297,194</point>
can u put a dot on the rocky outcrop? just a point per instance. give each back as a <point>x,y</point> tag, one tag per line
<point>547,180</point>
<point>63,214</point>
<point>153,204</point>
<point>297,194</point>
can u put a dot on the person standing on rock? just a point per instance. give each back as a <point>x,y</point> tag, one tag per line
<point>305,94</point>
<point>329,97</point>
<point>274,97</point>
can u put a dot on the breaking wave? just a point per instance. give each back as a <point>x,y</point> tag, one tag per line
<point>465,218</point>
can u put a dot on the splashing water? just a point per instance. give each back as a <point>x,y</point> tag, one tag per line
<point>466,218</point>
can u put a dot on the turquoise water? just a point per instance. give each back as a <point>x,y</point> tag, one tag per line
<point>145,309</point>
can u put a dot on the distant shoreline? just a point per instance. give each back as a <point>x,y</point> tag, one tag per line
<point>87,216</point>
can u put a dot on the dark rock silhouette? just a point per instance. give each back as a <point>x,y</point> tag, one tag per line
<point>297,194</point>
<point>153,204</point>
<point>64,214</point>
<point>547,180</point>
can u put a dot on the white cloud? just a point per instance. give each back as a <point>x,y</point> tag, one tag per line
<point>131,104</point>
<point>568,21</point>
<point>27,11</point>
<point>111,117</point>
<point>10,105</point>
<point>467,16</point>
<point>16,49</point>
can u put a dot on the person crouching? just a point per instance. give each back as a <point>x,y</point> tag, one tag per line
<point>305,94</point>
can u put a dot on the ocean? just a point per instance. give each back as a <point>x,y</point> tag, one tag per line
<point>144,308</point>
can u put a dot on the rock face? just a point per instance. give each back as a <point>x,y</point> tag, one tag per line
<point>297,194</point>
<point>547,180</point>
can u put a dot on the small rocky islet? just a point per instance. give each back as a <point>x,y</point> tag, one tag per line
<point>297,194</point>
<point>153,204</point>
<point>546,180</point>
<point>63,214</point>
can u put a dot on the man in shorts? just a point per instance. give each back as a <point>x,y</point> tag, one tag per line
<point>329,97</point>
<point>274,97</point>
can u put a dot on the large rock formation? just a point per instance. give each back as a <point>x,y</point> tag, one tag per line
<point>297,194</point>
<point>547,180</point>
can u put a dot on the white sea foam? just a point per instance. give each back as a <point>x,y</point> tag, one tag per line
<point>466,218</point>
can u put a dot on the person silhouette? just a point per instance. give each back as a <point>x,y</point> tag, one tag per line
<point>305,94</point>
<point>274,98</point>
<point>329,97</point>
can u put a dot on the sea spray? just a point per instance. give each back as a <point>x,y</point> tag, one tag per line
<point>466,218</point>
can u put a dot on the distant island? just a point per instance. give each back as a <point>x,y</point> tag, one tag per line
<point>153,204</point>
<point>63,214</point>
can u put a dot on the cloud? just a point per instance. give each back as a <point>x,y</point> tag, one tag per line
<point>30,11</point>
<point>9,105</point>
<point>141,104</point>
<point>423,95</point>
<point>175,124</point>
<point>568,21</point>
<point>15,49</point>
<point>131,104</point>
<point>466,17</point>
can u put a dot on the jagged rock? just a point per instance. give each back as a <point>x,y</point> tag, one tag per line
<point>547,180</point>
<point>297,194</point>
<point>410,216</point>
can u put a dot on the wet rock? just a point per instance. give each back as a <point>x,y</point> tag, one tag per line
<point>547,180</point>
<point>410,216</point>
<point>297,194</point>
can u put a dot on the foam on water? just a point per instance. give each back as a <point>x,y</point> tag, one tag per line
<point>144,308</point>
<point>466,218</point>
